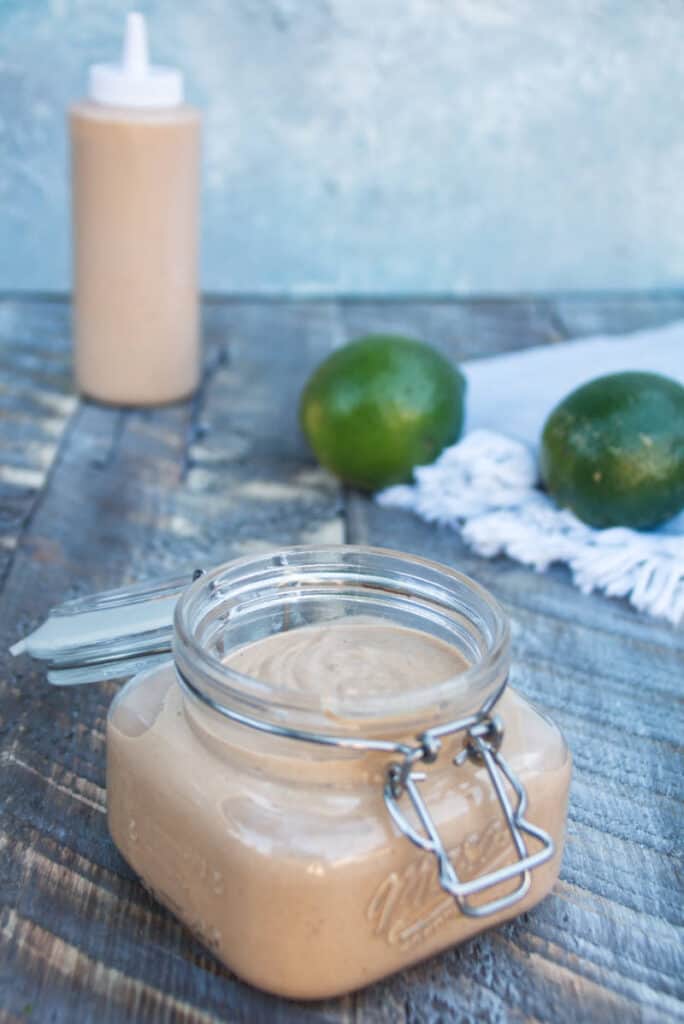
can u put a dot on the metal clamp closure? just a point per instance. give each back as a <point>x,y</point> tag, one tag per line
<point>483,740</point>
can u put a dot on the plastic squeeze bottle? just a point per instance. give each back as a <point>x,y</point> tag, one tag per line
<point>135,205</point>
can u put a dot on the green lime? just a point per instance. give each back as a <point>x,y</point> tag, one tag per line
<point>613,450</point>
<point>380,406</point>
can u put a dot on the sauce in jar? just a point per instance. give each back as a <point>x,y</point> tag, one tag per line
<point>251,784</point>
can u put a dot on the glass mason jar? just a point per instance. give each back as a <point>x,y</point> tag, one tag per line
<point>318,841</point>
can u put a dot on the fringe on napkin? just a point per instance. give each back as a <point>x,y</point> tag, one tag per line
<point>485,487</point>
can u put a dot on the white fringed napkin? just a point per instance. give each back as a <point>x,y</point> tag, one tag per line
<point>486,485</point>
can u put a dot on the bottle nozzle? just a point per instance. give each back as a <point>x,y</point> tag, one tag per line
<point>135,57</point>
<point>135,82</point>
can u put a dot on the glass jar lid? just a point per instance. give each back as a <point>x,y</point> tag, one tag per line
<point>110,635</point>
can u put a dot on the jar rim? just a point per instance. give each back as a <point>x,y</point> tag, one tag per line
<point>233,688</point>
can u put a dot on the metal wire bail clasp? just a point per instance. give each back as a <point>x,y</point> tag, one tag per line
<point>484,736</point>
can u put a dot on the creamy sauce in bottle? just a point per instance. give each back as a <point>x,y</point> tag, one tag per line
<point>135,209</point>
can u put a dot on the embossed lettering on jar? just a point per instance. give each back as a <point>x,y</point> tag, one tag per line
<point>332,780</point>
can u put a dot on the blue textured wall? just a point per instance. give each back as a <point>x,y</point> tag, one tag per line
<point>381,145</point>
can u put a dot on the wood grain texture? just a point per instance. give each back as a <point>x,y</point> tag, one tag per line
<point>91,497</point>
<point>35,403</point>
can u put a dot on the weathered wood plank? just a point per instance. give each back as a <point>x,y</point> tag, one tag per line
<point>120,495</point>
<point>35,405</point>
<point>462,330</point>
<point>249,483</point>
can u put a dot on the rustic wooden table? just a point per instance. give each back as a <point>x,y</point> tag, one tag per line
<point>91,497</point>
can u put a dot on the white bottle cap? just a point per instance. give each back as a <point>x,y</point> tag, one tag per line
<point>135,82</point>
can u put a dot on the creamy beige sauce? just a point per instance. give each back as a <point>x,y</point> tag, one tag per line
<point>344,660</point>
<point>283,860</point>
<point>135,212</point>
